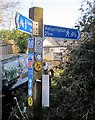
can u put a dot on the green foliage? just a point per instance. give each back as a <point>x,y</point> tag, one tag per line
<point>5,35</point>
<point>87,19</point>
<point>20,38</point>
<point>77,87</point>
<point>74,96</point>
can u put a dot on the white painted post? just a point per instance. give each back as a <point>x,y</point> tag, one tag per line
<point>45,90</point>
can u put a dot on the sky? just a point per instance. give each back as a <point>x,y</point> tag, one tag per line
<point>56,12</point>
<point>63,13</point>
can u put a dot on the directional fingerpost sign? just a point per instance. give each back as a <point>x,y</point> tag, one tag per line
<point>23,24</point>
<point>61,32</point>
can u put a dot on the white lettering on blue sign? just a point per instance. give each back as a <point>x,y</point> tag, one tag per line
<point>24,24</point>
<point>54,31</point>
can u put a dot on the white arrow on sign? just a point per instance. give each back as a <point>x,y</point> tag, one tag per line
<point>24,24</point>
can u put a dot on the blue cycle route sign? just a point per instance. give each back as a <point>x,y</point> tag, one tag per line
<point>30,72</point>
<point>24,24</point>
<point>61,32</point>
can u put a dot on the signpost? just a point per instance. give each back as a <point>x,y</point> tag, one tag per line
<point>35,51</point>
<point>36,14</point>
<point>23,24</point>
<point>61,32</point>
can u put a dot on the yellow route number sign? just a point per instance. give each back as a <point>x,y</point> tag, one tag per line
<point>38,66</point>
<point>30,101</point>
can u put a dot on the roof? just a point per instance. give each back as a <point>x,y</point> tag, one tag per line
<point>7,56</point>
<point>3,57</point>
<point>48,41</point>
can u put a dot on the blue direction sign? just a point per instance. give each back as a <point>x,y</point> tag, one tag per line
<point>30,85</point>
<point>61,32</point>
<point>30,72</point>
<point>24,24</point>
<point>30,82</point>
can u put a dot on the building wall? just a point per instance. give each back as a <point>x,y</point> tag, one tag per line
<point>5,49</point>
<point>15,48</point>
